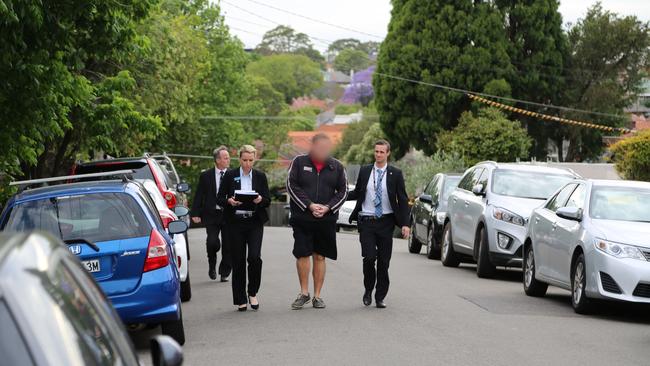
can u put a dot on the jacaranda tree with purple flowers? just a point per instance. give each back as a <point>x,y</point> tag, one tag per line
<point>360,89</point>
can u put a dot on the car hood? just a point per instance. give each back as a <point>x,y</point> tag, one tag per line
<point>521,206</point>
<point>624,232</point>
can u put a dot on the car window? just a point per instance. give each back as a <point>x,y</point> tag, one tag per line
<point>527,184</point>
<point>577,198</point>
<point>95,217</point>
<point>150,204</point>
<point>620,204</point>
<point>560,198</point>
<point>484,178</point>
<point>450,184</point>
<point>13,349</point>
<point>470,179</point>
<point>432,188</point>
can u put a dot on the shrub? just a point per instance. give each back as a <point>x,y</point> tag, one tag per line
<point>418,169</point>
<point>347,108</point>
<point>631,156</point>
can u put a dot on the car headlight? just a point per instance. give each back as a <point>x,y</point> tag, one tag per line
<point>507,216</point>
<point>619,250</point>
<point>440,217</point>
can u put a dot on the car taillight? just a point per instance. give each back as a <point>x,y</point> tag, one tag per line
<point>166,219</point>
<point>156,252</point>
<point>171,199</point>
<point>179,261</point>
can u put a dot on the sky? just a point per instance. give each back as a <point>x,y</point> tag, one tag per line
<point>366,20</point>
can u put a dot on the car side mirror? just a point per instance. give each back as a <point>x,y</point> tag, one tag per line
<point>165,351</point>
<point>478,190</point>
<point>177,227</point>
<point>183,187</point>
<point>181,211</point>
<point>426,198</point>
<point>570,213</point>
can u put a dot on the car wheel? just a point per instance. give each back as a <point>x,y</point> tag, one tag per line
<point>414,245</point>
<point>433,249</point>
<point>187,244</point>
<point>532,287</point>
<point>579,300</point>
<point>186,289</point>
<point>448,256</point>
<point>175,329</point>
<point>484,268</point>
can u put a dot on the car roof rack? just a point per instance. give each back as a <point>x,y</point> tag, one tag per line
<point>125,175</point>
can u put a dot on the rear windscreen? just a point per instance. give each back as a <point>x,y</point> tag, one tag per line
<point>94,217</point>
<point>141,168</point>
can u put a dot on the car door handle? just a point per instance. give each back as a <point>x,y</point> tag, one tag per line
<point>466,203</point>
<point>537,220</point>
<point>455,199</point>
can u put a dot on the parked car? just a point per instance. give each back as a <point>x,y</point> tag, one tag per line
<point>344,214</point>
<point>180,245</point>
<point>144,168</point>
<point>119,238</point>
<point>428,215</point>
<point>53,313</point>
<point>488,212</point>
<point>593,238</point>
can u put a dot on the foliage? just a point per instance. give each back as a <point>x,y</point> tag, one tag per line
<point>339,45</point>
<point>460,44</point>
<point>291,75</point>
<point>609,57</point>
<point>632,156</point>
<point>486,136</point>
<point>360,89</point>
<point>351,60</point>
<point>270,99</point>
<point>284,39</point>
<point>353,135</point>
<point>364,151</point>
<point>347,108</point>
<point>419,169</point>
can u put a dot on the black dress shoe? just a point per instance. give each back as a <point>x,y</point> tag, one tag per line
<point>242,308</point>
<point>213,274</point>
<point>254,307</point>
<point>367,297</point>
<point>224,278</point>
<point>380,304</point>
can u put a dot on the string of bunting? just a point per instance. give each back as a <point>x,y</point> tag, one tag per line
<point>547,117</point>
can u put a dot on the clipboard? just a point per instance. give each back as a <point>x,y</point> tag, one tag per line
<point>246,198</point>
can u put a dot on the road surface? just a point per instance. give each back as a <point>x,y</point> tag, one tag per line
<point>435,316</point>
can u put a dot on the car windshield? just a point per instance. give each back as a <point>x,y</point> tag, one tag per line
<point>94,217</point>
<point>527,184</point>
<point>141,168</point>
<point>620,203</point>
<point>450,184</point>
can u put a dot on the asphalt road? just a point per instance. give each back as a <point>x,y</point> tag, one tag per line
<point>435,316</point>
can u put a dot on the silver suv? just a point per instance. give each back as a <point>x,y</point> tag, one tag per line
<point>487,214</point>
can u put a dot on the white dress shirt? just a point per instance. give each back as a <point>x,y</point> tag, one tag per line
<point>368,206</point>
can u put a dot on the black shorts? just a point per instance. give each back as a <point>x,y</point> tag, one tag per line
<point>314,237</point>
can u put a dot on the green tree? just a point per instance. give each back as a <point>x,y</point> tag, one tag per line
<point>291,75</point>
<point>609,58</point>
<point>351,60</point>
<point>632,156</point>
<point>454,43</point>
<point>352,135</point>
<point>364,151</point>
<point>270,99</point>
<point>284,39</point>
<point>419,169</point>
<point>343,44</point>
<point>486,136</point>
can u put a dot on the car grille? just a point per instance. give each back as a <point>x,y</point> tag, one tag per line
<point>609,284</point>
<point>642,290</point>
<point>646,255</point>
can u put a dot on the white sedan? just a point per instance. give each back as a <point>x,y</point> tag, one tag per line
<point>180,247</point>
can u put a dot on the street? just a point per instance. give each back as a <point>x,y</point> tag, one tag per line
<point>435,315</point>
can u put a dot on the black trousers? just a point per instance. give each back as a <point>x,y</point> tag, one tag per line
<point>213,244</point>
<point>376,238</point>
<point>246,247</point>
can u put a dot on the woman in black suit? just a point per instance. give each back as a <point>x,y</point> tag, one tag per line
<point>245,226</point>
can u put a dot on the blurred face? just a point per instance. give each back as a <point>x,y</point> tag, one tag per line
<point>381,154</point>
<point>223,161</point>
<point>246,161</point>
<point>321,150</point>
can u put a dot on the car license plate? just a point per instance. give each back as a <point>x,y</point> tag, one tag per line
<point>92,266</point>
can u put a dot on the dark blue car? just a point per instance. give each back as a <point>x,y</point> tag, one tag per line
<point>114,229</point>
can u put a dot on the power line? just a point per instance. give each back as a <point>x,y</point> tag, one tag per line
<point>465,91</point>
<point>316,20</point>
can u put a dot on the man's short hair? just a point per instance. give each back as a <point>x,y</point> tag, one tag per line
<point>248,149</point>
<point>382,142</point>
<point>320,137</point>
<point>217,152</point>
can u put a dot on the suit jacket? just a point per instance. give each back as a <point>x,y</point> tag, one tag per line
<point>231,182</point>
<point>397,196</point>
<point>205,203</point>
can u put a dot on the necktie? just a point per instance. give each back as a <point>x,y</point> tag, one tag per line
<point>378,193</point>
<point>220,180</point>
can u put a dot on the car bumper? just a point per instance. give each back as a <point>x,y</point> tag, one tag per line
<point>155,300</point>
<point>344,218</point>
<point>509,255</point>
<point>180,249</point>
<point>631,276</point>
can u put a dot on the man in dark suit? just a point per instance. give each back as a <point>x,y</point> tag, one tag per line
<point>245,226</point>
<point>206,209</point>
<point>382,203</point>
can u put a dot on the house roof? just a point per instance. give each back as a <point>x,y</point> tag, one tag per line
<point>300,140</point>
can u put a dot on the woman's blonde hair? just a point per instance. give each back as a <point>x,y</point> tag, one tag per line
<point>248,149</point>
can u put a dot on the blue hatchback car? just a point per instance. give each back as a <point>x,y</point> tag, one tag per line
<point>113,228</point>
